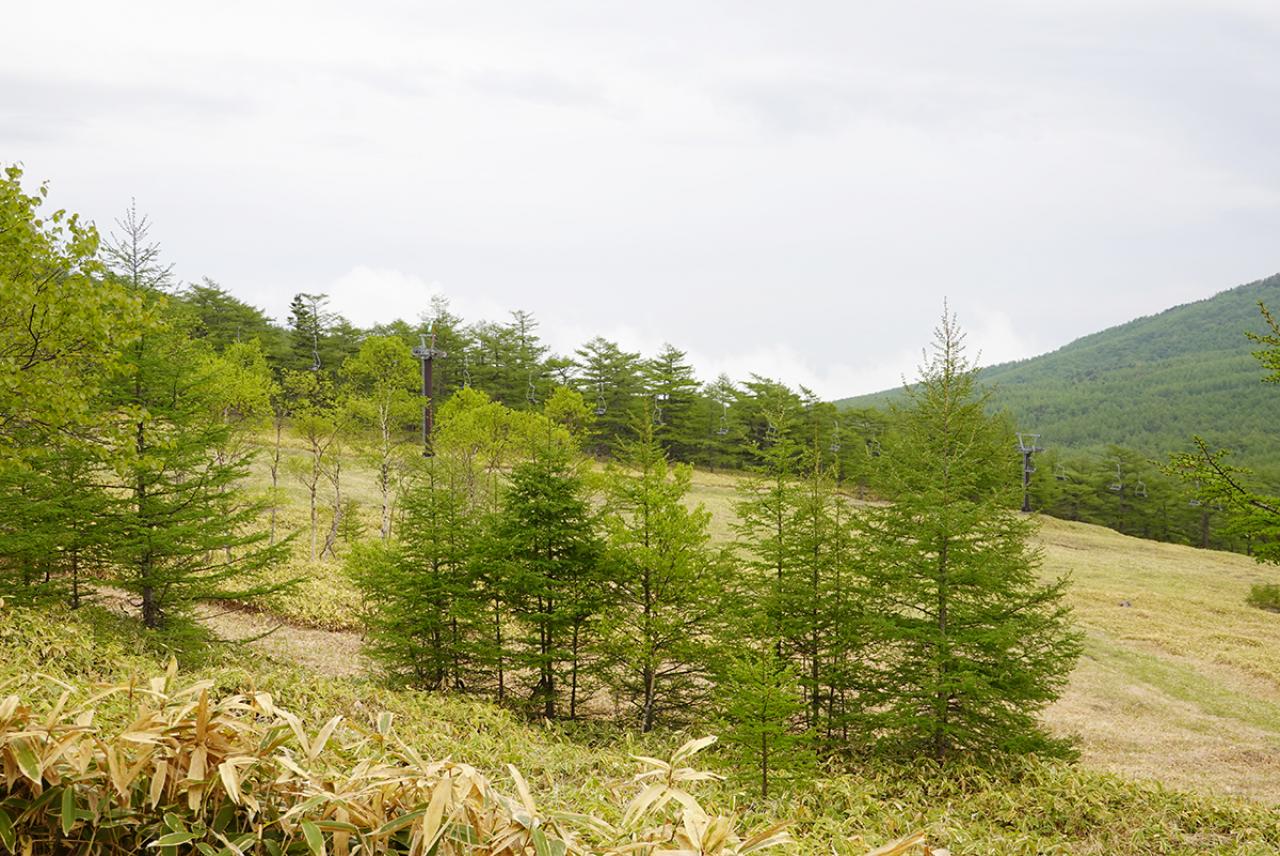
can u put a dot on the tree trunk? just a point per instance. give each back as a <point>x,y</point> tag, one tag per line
<point>497,625</point>
<point>314,519</point>
<point>331,539</point>
<point>764,764</point>
<point>75,579</point>
<point>275,479</point>
<point>942,700</point>
<point>573,678</point>
<point>647,713</point>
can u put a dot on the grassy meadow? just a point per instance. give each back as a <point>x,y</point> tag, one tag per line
<point>1180,686</point>
<point>1175,705</point>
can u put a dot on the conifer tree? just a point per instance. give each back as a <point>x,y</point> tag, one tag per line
<point>132,256</point>
<point>545,538</point>
<point>759,708</point>
<point>309,322</point>
<point>670,383</point>
<point>184,531</point>
<point>818,601</point>
<point>667,589</point>
<point>766,509</point>
<point>793,529</point>
<point>970,643</point>
<point>609,379</point>
<point>422,613</point>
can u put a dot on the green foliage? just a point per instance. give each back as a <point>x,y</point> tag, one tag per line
<point>1265,596</point>
<point>423,615</point>
<point>759,706</point>
<point>482,439</point>
<point>805,579</point>
<point>669,380</point>
<point>60,328</point>
<point>611,383</point>
<point>668,588</point>
<point>967,643</point>
<point>548,557</point>
<point>221,319</point>
<point>182,531</point>
<point>1149,384</point>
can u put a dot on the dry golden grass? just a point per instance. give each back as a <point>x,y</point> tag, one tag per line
<point>1029,808</point>
<point>239,774</point>
<point>1181,686</point>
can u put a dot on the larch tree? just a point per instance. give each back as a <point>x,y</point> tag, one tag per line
<point>424,617</point>
<point>673,389</point>
<point>185,531</point>
<point>609,379</point>
<point>133,256</point>
<point>760,711</point>
<point>970,643</point>
<point>667,585</point>
<point>309,323</point>
<point>549,557</point>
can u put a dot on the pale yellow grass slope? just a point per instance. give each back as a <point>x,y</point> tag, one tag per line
<point>1182,685</point>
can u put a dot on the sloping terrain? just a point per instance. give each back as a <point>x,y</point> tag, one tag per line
<point>1180,686</point>
<point>1176,705</point>
<point>1150,384</point>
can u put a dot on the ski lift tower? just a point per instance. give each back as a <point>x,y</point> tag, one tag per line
<point>428,353</point>
<point>1028,445</point>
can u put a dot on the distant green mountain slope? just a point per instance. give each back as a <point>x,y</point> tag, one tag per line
<point>1151,383</point>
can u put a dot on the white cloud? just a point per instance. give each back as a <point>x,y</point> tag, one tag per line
<point>780,192</point>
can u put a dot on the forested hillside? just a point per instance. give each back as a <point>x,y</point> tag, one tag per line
<point>1150,384</point>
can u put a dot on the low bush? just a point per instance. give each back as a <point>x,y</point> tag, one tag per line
<point>240,774</point>
<point>1265,596</point>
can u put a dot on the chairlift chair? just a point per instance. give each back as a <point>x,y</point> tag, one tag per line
<point>723,428</point>
<point>1118,485</point>
<point>600,404</point>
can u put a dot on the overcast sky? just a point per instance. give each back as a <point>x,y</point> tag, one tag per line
<point>785,188</point>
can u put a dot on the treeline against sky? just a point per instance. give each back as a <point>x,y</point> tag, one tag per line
<point>716,424</point>
<point>508,564</point>
<point>712,423</point>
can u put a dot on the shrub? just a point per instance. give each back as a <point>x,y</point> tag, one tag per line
<point>1265,596</point>
<point>239,774</point>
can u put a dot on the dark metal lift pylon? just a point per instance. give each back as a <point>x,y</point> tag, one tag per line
<point>427,354</point>
<point>1028,445</point>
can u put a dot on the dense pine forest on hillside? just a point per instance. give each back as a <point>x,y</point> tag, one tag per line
<point>1150,384</point>
<point>867,611</point>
